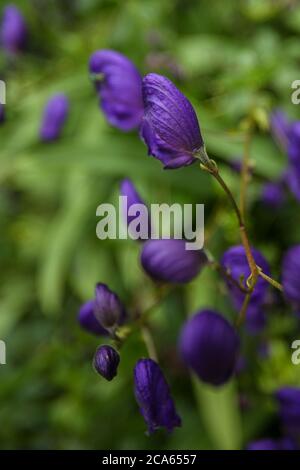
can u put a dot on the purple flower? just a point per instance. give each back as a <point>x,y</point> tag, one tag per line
<point>293,172</point>
<point>293,180</point>
<point>280,128</point>
<point>87,319</point>
<point>119,86</point>
<point>153,396</point>
<point>167,260</point>
<point>235,262</point>
<point>109,310</point>
<point>2,113</point>
<point>284,443</point>
<point>54,117</point>
<point>128,190</point>
<point>273,195</point>
<point>13,30</point>
<point>106,361</point>
<point>289,408</point>
<point>291,276</point>
<point>170,126</point>
<point>209,345</point>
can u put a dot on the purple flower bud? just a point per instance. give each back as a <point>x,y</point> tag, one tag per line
<point>168,260</point>
<point>209,345</point>
<point>13,30</point>
<point>153,396</point>
<point>109,310</point>
<point>280,128</point>
<point>289,408</point>
<point>127,189</point>
<point>55,114</point>
<point>284,443</point>
<point>273,195</point>
<point>87,319</point>
<point>106,361</point>
<point>294,143</point>
<point>291,276</point>
<point>235,262</point>
<point>119,86</point>
<point>2,113</point>
<point>293,180</point>
<point>170,126</point>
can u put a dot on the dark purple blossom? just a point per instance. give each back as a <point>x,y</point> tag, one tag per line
<point>87,319</point>
<point>153,396</point>
<point>273,195</point>
<point>127,189</point>
<point>54,117</point>
<point>235,262</point>
<point>170,126</point>
<point>109,310</point>
<point>209,345</point>
<point>291,276</point>
<point>13,30</point>
<point>284,443</point>
<point>168,260</point>
<point>119,86</point>
<point>289,408</point>
<point>280,128</point>
<point>106,361</point>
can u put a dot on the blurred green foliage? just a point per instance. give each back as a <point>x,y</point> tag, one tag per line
<point>231,61</point>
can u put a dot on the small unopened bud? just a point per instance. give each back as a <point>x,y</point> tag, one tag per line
<point>106,361</point>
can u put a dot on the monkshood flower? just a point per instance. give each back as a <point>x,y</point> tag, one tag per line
<point>153,396</point>
<point>87,319</point>
<point>209,345</point>
<point>234,260</point>
<point>106,361</point>
<point>284,443</point>
<point>273,195</point>
<point>289,408</point>
<point>55,114</point>
<point>127,189</point>
<point>291,276</point>
<point>2,114</point>
<point>109,310</point>
<point>280,126</point>
<point>119,86</point>
<point>167,260</point>
<point>170,126</point>
<point>13,33</point>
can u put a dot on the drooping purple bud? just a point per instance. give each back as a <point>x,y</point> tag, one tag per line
<point>2,113</point>
<point>209,345</point>
<point>280,128</point>
<point>170,126</point>
<point>168,260</point>
<point>128,190</point>
<point>234,261</point>
<point>109,310</point>
<point>291,276</point>
<point>87,319</point>
<point>273,195</point>
<point>13,30</point>
<point>153,396</point>
<point>284,443</point>
<point>106,362</point>
<point>289,409</point>
<point>55,114</point>
<point>119,86</point>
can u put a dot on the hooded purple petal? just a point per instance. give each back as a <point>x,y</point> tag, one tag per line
<point>170,126</point>
<point>13,33</point>
<point>280,128</point>
<point>109,310</point>
<point>209,345</point>
<point>106,362</point>
<point>289,408</point>
<point>168,260</point>
<point>88,321</point>
<point>119,86</point>
<point>54,117</point>
<point>128,190</point>
<point>291,276</point>
<point>153,396</point>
